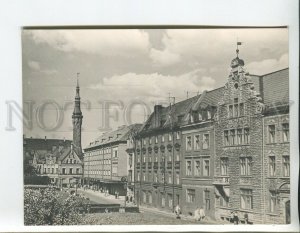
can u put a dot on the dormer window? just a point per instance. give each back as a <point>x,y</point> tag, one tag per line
<point>200,116</point>
<point>208,115</point>
<point>191,118</point>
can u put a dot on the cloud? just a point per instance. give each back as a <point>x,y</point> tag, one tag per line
<point>268,65</point>
<point>211,47</point>
<point>154,86</point>
<point>164,58</point>
<point>105,42</point>
<point>34,65</point>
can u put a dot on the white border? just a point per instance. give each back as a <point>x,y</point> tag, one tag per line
<point>14,14</point>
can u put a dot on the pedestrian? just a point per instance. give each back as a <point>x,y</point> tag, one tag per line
<point>231,216</point>
<point>177,212</point>
<point>201,213</point>
<point>116,194</point>
<point>235,218</point>
<point>130,199</point>
<point>197,214</point>
<point>246,218</point>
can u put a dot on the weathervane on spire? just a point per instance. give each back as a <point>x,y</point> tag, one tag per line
<point>237,47</point>
<point>78,78</point>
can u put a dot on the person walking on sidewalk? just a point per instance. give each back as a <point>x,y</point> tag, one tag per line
<point>201,213</point>
<point>177,212</point>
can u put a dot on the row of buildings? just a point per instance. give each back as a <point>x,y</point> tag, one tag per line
<point>224,150</point>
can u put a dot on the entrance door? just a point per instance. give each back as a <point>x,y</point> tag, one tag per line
<point>287,213</point>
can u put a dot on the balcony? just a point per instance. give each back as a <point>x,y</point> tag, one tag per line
<point>149,165</point>
<point>155,165</point>
<point>221,180</point>
<point>169,165</point>
<point>177,164</point>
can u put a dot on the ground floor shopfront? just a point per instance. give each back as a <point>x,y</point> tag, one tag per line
<point>106,186</point>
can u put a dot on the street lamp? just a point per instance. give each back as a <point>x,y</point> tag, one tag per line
<point>124,180</point>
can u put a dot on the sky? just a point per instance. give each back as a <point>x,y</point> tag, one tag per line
<point>125,72</point>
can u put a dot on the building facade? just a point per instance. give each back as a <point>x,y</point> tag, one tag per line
<point>107,161</point>
<point>226,150</point>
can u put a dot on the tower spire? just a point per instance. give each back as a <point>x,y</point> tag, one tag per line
<point>77,121</point>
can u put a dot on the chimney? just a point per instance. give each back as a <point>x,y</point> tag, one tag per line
<point>157,115</point>
<point>45,138</point>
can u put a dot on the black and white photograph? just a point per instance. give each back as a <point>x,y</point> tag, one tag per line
<point>156,126</point>
<point>149,116</point>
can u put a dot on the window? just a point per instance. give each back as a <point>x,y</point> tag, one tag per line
<point>170,200</point>
<point>162,138</point>
<point>242,110</point>
<point>224,201</point>
<point>208,115</point>
<point>190,195</point>
<point>52,170</point>
<point>77,170</point>
<point>177,135</point>
<point>286,132</point>
<point>205,141</point>
<point>192,118</point>
<point>246,199</point>
<point>144,197</point>
<point>200,116</point>
<point>272,166</point>
<point>230,111</point>
<point>63,171</point>
<point>170,178</point>
<point>207,199</point>
<point>232,137</point>
<point>115,153</point>
<point>271,129</point>
<point>156,139</point>
<point>49,170</point>
<point>138,176</point>
<point>170,137</point>
<point>197,142</point>
<point>150,140</point>
<point>71,171</point>
<point>226,138</point>
<point>272,202</point>
<point>177,157</point>
<point>144,176</point>
<point>197,168</point>
<point>188,168</point>
<point>155,177</point>
<point>188,143</point>
<point>144,141</point>
<point>286,165</point>
<point>177,178</point>
<point>246,136</point>
<point>56,170</point>
<point>240,136</point>
<point>245,166</point>
<point>224,166</point>
<point>71,161</point>
<point>236,110</point>
<point>206,167</point>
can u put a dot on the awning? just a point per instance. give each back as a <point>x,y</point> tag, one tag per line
<point>217,192</point>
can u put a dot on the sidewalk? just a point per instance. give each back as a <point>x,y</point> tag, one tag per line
<point>207,220</point>
<point>111,198</point>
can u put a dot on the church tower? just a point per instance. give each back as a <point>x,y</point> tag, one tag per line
<point>77,122</point>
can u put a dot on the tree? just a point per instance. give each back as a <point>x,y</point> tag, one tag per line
<point>51,207</point>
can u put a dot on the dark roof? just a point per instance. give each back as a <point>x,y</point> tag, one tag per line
<point>273,87</point>
<point>44,144</point>
<point>119,135</point>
